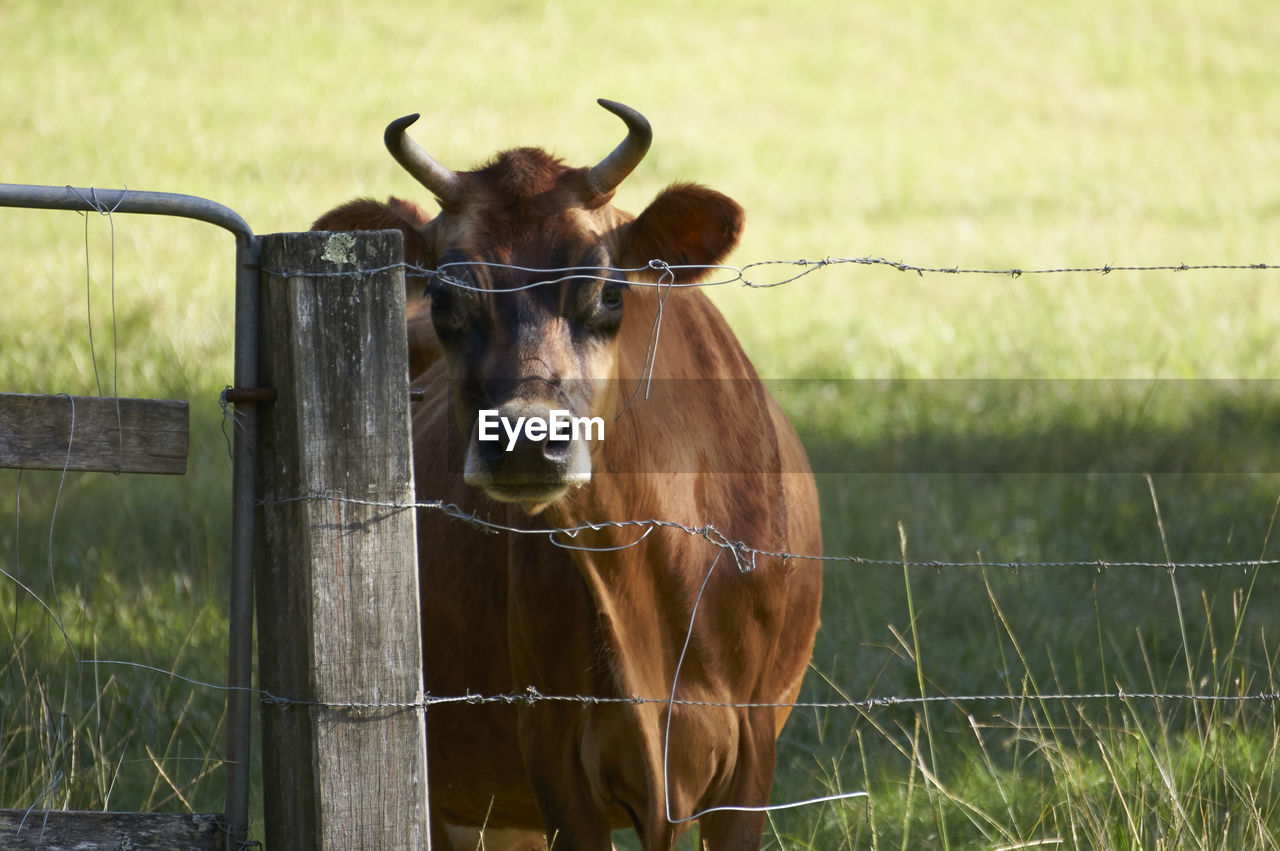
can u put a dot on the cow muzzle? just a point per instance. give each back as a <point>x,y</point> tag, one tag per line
<point>529,453</point>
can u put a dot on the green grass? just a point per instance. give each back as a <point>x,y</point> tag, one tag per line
<point>987,135</point>
<point>1096,773</point>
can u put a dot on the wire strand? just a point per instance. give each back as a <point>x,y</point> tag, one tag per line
<point>745,554</point>
<point>745,275</point>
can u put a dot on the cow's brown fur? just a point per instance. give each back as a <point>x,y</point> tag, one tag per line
<point>507,613</point>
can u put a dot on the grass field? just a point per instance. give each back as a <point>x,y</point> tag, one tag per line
<point>985,135</point>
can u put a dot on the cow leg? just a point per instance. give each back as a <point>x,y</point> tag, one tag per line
<point>730,830</point>
<point>572,827</point>
<point>573,817</point>
<point>657,836</point>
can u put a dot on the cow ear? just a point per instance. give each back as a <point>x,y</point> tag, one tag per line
<point>396,214</point>
<point>686,225</point>
<point>409,219</point>
<point>367,214</point>
<point>410,212</point>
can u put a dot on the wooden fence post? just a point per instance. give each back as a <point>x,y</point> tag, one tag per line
<point>344,762</point>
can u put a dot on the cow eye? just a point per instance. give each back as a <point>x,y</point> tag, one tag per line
<point>602,313</point>
<point>448,312</point>
<point>611,296</point>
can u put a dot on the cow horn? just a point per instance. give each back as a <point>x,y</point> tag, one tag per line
<point>613,169</point>
<point>443,183</point>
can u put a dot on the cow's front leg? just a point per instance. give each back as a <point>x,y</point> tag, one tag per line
<point>736,827</point>
<point>574,813</point>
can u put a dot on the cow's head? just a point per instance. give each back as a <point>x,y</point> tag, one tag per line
<point>523,341</point>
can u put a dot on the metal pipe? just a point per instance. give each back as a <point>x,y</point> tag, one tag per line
<point>240,626</point>
<point>90,199</point>
<point>243,502</point>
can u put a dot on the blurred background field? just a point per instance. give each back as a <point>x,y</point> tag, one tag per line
<point>985,135</point>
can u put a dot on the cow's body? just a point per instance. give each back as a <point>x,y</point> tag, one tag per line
<point>607,616</point>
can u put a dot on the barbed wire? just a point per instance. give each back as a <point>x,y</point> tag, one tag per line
<point>745,557</point>
<point>745,275</point>
<point>532,697</point>
<point>745,554</point>
<point>810,266</point>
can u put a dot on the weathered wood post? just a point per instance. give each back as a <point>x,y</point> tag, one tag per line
<point>344,760</point>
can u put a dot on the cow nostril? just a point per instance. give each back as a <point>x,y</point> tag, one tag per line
<point>555,450</point>
<point>491,450</point>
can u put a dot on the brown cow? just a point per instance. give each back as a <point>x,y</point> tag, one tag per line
<point>607,613</point>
